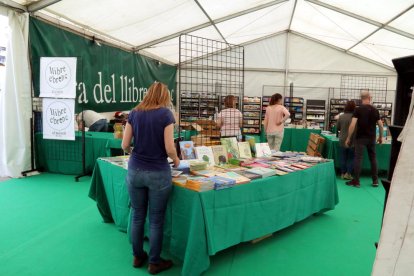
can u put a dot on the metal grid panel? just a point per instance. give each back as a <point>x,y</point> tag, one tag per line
<point>209,71</point>
<point>351,86</point>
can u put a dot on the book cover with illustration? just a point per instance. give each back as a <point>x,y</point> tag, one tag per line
<point>187,150</point>
<point>263,150</point>
<point>231,145</point>
<point>220,154</point>
<point>206,154</point>
<point>244,150</point>
<point>252,142</point>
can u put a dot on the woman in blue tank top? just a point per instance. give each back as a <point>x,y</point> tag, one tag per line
<point>151,125</point>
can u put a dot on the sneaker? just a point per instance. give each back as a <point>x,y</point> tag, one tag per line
<point>139,261</point>
<point>348,176</point>
<point>343,175</point>
<point>161,266</point>
<point>375,184</point>
<point>353,183</point>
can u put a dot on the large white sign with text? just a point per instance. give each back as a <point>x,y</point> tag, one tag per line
<point>58,119</point>
<point>58,77</point>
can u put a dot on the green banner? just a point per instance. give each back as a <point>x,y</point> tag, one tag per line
<point>108,79</point>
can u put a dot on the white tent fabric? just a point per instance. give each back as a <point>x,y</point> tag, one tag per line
<point>396,247</point>
<point>16,101</point>
<point>377,29</point>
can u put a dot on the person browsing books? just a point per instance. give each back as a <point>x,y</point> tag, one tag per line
<point>149,182</point>
<point>365,119</point>
<point>230,119</point>
<point>275,117</point>
<point>346,152</point>
<point>93,120</point>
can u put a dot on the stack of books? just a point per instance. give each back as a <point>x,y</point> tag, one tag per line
<point>200,184</point>
<point>263,172</point>
<point>222,182</point>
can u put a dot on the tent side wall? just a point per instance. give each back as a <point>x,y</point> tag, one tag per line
<point>306,63</point>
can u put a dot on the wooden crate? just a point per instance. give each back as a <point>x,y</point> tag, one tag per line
<point>315,145</point>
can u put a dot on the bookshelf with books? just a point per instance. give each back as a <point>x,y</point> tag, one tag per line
<point>194,106</point>
<point>315,112</point>
<point>251,115</point>
<point>384,109</point>
<point>295,107</point>
<point>337,106</point>
<point>265,104</point>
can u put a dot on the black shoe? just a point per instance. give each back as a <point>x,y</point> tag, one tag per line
<point>375,184</point>
<point>161,266</point>
<point>353,183</point>
<point>139,261</point>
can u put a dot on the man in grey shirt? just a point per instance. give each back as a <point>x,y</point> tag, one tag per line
<point>346,152</point>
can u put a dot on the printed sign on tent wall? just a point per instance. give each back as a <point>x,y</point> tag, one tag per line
<point>58,77</point>
<point>58,119</point>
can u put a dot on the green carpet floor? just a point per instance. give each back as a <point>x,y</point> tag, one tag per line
<point>49,226</point>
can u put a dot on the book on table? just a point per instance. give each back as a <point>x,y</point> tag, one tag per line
<point>187,150</point>
<point>222,182</point>
<point>263,172</point>
<point>205,154</point>
<point>230,167</point>
<point>263,150</point>
<point>231,146</point>
<point>249,175</point>
<point>206,173</point>
<point>244,150</point>
<point>240,179</point>
<point>219,154</point>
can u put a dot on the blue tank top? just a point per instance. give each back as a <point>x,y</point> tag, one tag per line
<point>148,132</point>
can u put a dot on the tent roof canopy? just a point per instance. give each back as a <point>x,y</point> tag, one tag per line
<point>379,30</point>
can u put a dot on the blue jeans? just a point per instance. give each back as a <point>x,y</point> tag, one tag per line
<point>148,188</point>
<point>347,160</point>
<point>99,126</point>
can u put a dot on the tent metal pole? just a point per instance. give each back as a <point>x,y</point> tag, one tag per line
<point>287,58</point>
<point>343,50</point>
<point>13,5</point>
<point>41,5</point>
<point>207,24</point>
<point>367,20</point>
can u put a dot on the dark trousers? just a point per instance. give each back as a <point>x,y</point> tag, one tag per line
<point>347,160</point>
<point>360,144</point>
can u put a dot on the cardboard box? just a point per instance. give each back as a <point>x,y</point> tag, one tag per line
<point>200,140</point>
<point>190,126</point>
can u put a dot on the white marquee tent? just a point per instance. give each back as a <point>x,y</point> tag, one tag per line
<point>311,43</point>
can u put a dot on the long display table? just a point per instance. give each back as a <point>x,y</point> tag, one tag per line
<point>198,225</point>
<point>332,151</point>
<point>65,157</point>
<point>294,139</point>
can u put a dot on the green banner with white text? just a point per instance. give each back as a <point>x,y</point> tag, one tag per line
<point>107,78</point>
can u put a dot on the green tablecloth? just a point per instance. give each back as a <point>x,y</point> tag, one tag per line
<point>331,150</point>
<point>199,225</point>
<point>61,156</point>
<point>65,157</point>
<point>294,139</point>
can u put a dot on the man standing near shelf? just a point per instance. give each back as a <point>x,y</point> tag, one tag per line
<point>365,119</point>
<point>275,117</point>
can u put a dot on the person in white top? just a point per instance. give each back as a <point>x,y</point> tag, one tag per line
<point>93,120</point>
<point>230,119</point>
